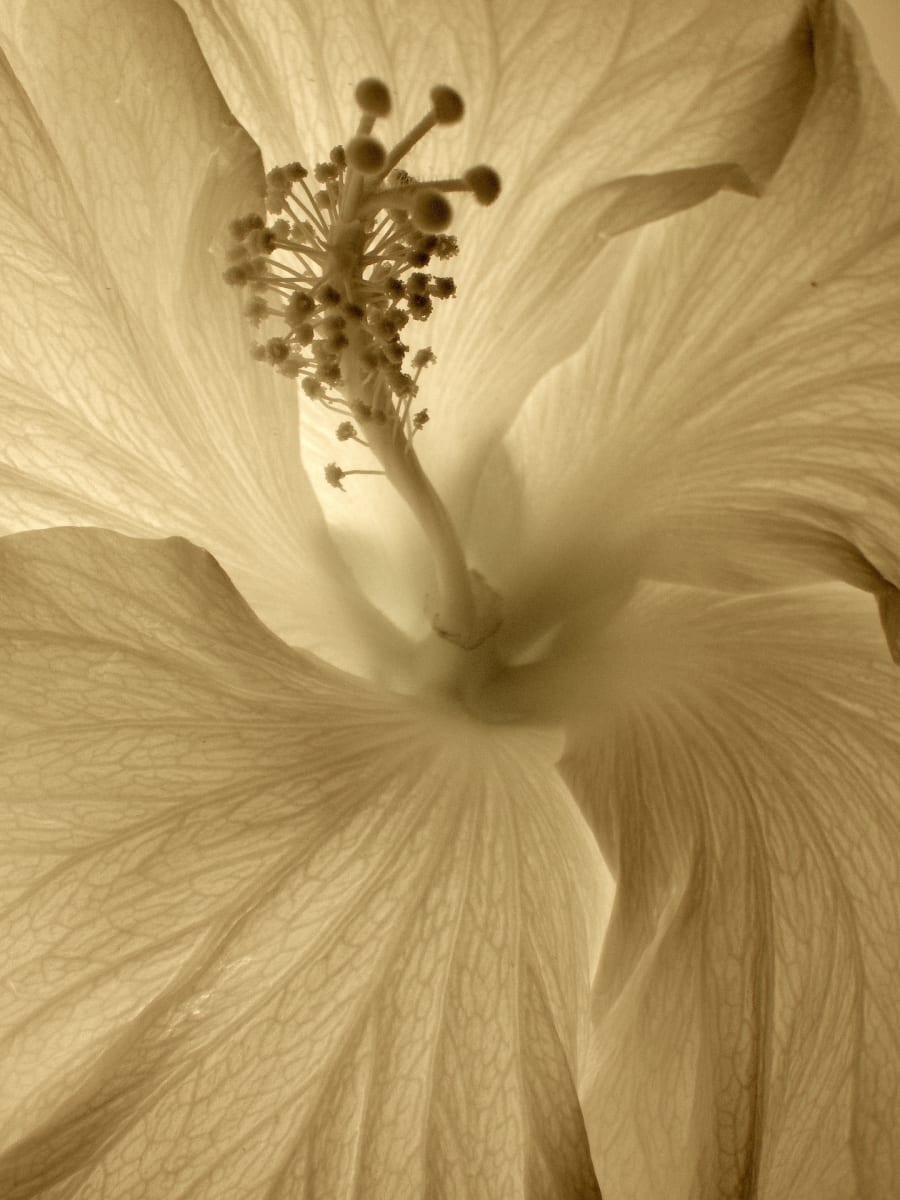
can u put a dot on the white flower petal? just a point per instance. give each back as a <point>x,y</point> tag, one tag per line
<point>744,788</point>
<point>564,97</point>
<point>268,932</point>
<point>736,410</point>
<point>127,396</point>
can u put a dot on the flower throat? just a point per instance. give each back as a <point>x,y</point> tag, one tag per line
<point>340,265</point>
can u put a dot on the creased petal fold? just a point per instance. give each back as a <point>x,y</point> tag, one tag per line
<point>743,781</point>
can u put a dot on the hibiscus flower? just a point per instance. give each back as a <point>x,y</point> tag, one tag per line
<point>315,882</point>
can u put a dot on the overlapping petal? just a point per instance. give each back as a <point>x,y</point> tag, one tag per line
<point>564,98</point>
<point>267,931</point>
<point>742,779</point>
<point>127,397</point>
<point>736,412</point>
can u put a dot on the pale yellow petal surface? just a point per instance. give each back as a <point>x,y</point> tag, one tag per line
<point>744,786</point>
<point>127,397</point>
<point>734,419</point>
<point>267,932</point>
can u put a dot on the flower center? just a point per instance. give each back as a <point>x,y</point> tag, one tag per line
<point>340,265</point>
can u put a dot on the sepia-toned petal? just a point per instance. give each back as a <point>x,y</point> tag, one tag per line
<point>127,396</point>
<point>734,421</point>
<point>742,779</point>
<point>267,931</point>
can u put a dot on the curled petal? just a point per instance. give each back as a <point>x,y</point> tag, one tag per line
<point>743,782</point>
<point>735,415</point>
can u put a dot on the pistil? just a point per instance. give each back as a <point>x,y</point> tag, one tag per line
<point>342,269</point>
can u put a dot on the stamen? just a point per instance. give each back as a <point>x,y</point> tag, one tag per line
<point>342,270</point>
<point>334,474</point>
<point>446,109</point>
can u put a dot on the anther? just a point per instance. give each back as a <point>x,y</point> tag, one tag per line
<point>328,295</point>
<point>278,185</point>
<point>256,310</point>
<point>420,307</point>
<point>330,373</point>
<point>334,475</point>
<point>447,246</point>
<point>240,227</point>
<point>238,275</point>
<point>298,308</point>
<point>403,385</point>
<point>277,349</point>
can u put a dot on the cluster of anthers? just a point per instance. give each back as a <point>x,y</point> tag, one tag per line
<point>341,266</point>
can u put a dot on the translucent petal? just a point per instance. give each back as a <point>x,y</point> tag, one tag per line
<point>127,397</point>
<point>881,21</point>
<point>742,779</point>
<point>734,420</point>
<point>267,931</point>
<point>563,98</point>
